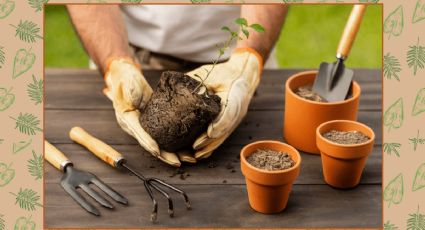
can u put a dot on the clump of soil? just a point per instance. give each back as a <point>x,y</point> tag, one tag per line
<point>270,160</point>
<point>176,115</point>
<point>346,137</point>
<point>306,92</point>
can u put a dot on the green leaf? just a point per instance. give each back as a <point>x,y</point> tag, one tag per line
<point>245,32</point>
<point>394,23</point>
<point>27,199</point>
<point>419,13</point>
<point>23,61</point>
<point>27,31</point>
<point>241,21</point>
<point>35,166</point>
<point>419,181</point>
<point>416,140</point>
<point>27,123</point>
<point>390,226</point>
<point>2,57</point>
<point>391,67</point>
<point>2,224</point>
<point>416,221</point>
<point>394,115</point>
<point>419,105</point>
<point>416,57</point>
<point>37,4</point>
<point>257,27</point>
<point>35,90</point>
<point>390,148</point>
<point>393,192</point>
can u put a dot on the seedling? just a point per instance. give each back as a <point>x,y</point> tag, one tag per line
<point>233,35</point>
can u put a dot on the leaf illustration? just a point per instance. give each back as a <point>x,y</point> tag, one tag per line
<point>35,90</point>
<point>37,4</point>
<point>390,226</point>
<point>2,56</point>
<point>391,67</point>
<point>394,115</point>
<point>419,105</point>
<point>23,223</point>
<point>394,23</point>
<point>391,148</point>
<point>35,166</point>
<point>7,98</point>
<point>393,192</point>
<point>292,1</point>
<point>2,224</point>
<point>419,181</point>
<point>1,141</point>
<point>27,124</point>
<point>27,31</point>
<point>416,140</point>
<point>6,7</point>
<point>369,1</point>
<point>23,61</point>
<point>416,221</point>
<point>419,13</point>
<point>21,145</point>
<point>7,173</point>
<point>131,1</point>
<point>27,199</point>
<point>416,57</point>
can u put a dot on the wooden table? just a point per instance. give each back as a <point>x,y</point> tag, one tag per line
<point>218,194</point>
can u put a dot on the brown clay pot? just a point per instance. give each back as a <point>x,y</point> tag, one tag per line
<point>268,191</point>
<point>302,116</point>
<point>343,164</point>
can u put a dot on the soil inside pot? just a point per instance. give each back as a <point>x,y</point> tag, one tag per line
<point>176,115</point>
<point>307,93</point>
<point>346,137</point>
<point>270,160</point>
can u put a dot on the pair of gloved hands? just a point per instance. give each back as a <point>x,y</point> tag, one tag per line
<point>234,81</point>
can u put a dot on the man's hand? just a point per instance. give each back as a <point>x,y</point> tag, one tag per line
<point>235,82</point>
<point>129,91</point>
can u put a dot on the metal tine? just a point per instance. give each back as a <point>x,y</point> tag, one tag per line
<point>80,200</point>
<point>166,195</point>
<point>154,213</point>
<point>96,196</point>
<point>186,198</point>
<point>108,190</point>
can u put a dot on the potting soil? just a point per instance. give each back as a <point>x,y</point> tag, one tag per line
<point>270,160</point>
<point>346,137</point>
<point>306,92</point>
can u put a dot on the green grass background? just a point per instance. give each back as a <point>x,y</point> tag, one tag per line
<point>309,36</point>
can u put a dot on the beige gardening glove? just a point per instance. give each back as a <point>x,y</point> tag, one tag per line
<point>235,82</point>
<point>128,90</point>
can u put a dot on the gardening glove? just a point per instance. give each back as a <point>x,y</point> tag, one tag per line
<point>235,82</point>
<point>129,91</point>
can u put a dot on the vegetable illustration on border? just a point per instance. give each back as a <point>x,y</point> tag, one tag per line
<point>394,191</point>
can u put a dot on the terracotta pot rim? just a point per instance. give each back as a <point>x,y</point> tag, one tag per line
<point>290,79</point>
<point>244,161</point>
<point>372,137</point>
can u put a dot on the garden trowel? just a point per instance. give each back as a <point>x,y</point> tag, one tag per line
<point>333,82</point>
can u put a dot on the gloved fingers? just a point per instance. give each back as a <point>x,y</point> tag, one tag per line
<point>209,149</point>
<point>136,89</point>
<point>186,156</point>
<point>108,93</point>
<point>169,158</point>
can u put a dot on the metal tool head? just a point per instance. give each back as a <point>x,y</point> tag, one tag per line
<point>74,179</point>
<point>333,82</point>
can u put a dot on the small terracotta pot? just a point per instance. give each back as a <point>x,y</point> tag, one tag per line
<point>268,191</point>
<point>343,164</point>
<point>302,116</point>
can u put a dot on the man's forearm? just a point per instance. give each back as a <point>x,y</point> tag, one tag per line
<point>271,17</point>
<point>102,31</point>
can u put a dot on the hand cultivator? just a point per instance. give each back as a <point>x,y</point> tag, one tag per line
<point>115,159</point>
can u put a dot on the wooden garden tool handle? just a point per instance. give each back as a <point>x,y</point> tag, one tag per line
<point>350,31</point>
<point>55,157</point>
<point>96,146</point>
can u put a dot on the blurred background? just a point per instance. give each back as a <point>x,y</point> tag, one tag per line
<point>309,36</point>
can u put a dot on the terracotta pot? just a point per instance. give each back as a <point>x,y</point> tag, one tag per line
<point>268,191</point>
<point>343,164</point>
<point>302,116</point>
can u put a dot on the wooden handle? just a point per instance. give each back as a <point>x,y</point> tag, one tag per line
<point>55,157</point>
<point>96,146</point>
<point>350,31</point>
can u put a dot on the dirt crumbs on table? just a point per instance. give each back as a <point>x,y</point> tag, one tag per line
<point>306,92</point>
<point>270,160</point>
<point>346,137</point>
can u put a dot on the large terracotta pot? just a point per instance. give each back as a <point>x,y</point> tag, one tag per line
<point>302,116</point>
<point>268,191</point>
<point>343,164</point>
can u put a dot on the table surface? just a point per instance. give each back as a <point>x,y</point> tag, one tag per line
<point>218,194</point>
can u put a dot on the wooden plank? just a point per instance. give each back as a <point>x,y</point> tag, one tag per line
<point>72,89</point>
<point>224,206</point>
<point>225,159</point>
